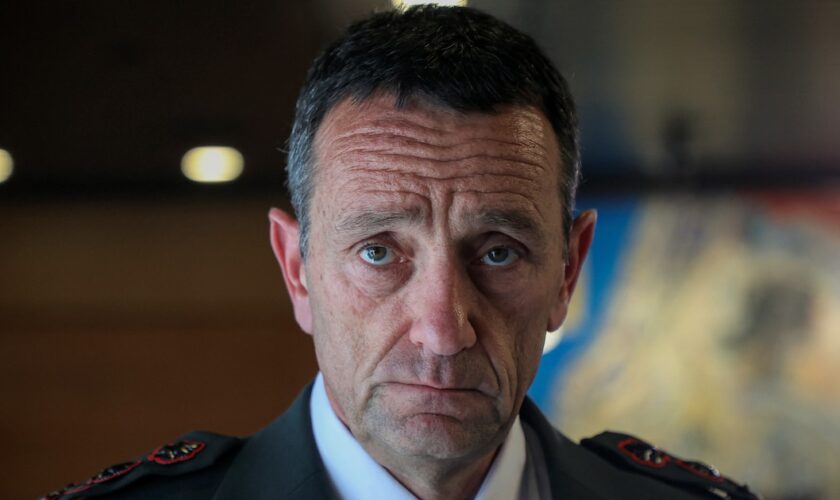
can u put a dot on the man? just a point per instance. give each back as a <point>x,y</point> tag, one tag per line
<point>433,165</point>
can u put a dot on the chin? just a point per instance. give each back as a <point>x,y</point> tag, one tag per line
<point>441,437</point>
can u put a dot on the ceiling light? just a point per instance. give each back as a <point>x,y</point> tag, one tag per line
<point>404,4</point>
<point>212,164</point>
<point>6,165</point>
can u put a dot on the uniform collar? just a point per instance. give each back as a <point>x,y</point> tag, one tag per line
<point>280,461</point>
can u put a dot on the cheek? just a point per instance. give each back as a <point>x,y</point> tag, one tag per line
<point>515,333</point>
<point>339,314</point>
<point>334,314</point>
<point>530,352</point>
<point>353,327</point>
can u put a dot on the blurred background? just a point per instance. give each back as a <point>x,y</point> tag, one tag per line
<point>139,298</point>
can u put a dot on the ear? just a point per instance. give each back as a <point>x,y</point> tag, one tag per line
<point>580,239</point>
<point>285,241</point>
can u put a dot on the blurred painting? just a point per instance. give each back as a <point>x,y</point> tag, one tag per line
<point>710,326</point>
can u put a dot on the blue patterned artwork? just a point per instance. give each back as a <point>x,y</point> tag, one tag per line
<point>710,325</point>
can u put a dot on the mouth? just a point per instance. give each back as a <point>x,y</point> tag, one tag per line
<point>451,402</point>
<point>434,388</point>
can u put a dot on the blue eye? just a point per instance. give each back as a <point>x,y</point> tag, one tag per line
<point>500,256</point>
<point>377,255</point>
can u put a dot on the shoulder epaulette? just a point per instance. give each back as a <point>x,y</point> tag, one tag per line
<point>189,453</point>
<point>631,453</point>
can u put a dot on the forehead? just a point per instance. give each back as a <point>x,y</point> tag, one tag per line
<point>377,152</point>
<point>511,130</point>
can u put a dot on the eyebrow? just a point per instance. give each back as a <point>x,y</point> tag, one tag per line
<point>512,219</point>
<point>519,223</point>
<point>378,220</point>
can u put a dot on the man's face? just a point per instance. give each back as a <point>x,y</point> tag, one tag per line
<point>434,268</point>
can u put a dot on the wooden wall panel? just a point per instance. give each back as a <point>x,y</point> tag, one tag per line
<point>126,324</point>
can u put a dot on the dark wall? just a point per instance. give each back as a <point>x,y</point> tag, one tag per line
<point>125,324</point>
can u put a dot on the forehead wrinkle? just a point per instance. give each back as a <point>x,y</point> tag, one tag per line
<point>395,172</point>
<point>424,186</point>
<point>363,141</point>
<point>393,175</point>
<point>378,135</point>
<point>436,118</point>
<point>359,131</point>
<point>525,125</point>
<point>505,159</point>
<point>407,148</point>
<point>439,119</point>
<point>527,199</point>
<point>377,220</point>
<point>513,219</point>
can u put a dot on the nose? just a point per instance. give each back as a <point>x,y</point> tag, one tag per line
<point>441,307</point>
